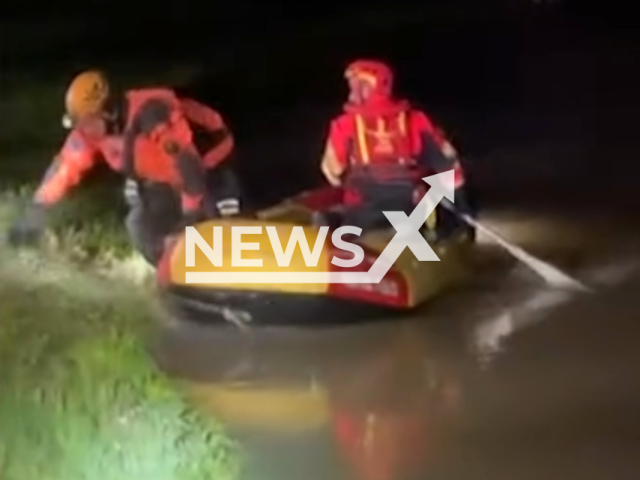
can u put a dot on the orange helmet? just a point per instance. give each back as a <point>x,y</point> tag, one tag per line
<point>378,74</point>
<point>86,95</point>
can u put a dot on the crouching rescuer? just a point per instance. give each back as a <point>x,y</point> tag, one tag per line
<point>174,153</point>
<point>379,150</point>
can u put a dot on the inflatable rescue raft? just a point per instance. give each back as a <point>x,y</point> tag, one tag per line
<point>408,284</point>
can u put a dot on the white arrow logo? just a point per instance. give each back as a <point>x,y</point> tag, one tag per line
<point>407,233</point>
<point>407,236</point>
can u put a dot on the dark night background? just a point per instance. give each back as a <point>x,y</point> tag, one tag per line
<point>533,94</point>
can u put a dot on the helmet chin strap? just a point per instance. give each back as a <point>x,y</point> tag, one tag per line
<point>116,114</point>
<point>112,120</point>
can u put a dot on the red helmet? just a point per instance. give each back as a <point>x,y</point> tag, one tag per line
<point>376,73</point>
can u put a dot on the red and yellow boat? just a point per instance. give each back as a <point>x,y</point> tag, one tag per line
<point>407,285</point>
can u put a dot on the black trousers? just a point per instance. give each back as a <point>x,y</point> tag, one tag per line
<point>378,197</point>
<point>155,210</point>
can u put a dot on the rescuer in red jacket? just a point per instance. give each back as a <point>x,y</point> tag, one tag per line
<point>380,148</point>
<point>173,151</point>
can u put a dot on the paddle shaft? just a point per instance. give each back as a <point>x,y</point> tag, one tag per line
<point>552,275</point>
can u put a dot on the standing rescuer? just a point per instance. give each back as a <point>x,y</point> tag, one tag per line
<point>380,148</point>
<point>174,152</point>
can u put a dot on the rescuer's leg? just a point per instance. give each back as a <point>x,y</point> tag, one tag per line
<point>154,213</point>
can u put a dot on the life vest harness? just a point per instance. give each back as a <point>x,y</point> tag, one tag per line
<point>402,169</point>
<point>361,131</point>
<point>399,167</point>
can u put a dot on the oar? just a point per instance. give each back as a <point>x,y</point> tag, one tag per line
<point>550,274</point>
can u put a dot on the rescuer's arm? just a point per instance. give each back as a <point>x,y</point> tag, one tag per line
<point>217,139</point>
<point>76,157</point>
<point>168,127</point>
<point>335,157</point>
<point>438,155</point>
<point>69,166</point>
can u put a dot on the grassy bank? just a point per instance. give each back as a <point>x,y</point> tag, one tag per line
<point>79,395</point>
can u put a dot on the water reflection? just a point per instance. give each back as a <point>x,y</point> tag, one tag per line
<point>390,407</point>
<point>379,399</point>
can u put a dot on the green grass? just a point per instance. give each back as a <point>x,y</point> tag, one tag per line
<point>80,397</point>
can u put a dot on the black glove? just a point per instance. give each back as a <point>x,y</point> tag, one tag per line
<point>463,202</point>
<point>28,229</point>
